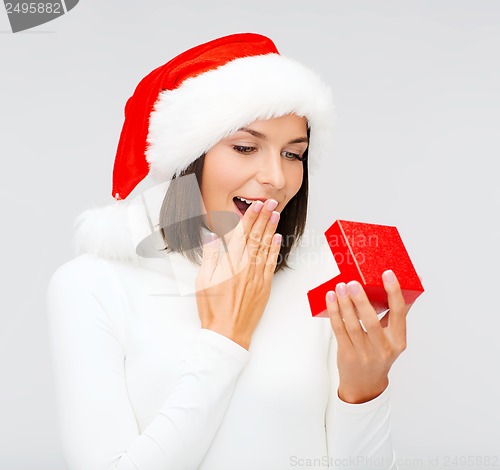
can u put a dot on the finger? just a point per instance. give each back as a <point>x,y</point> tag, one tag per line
<point>350,316</point>
<point>265,243</point>
<point>397,307</point>
<point>210,256</point>
<point>237,244</point>
<point>338,326</point>
<point>367,314</point>
<point>272,257</point>
<point>257,230</point>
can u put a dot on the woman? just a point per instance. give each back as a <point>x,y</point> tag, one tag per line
<point>174,352</point>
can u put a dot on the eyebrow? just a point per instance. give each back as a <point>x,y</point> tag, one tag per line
<point>261,136</point>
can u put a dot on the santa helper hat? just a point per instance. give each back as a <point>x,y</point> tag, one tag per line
<point>181,110</point>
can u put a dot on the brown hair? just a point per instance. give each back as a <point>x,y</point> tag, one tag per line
<point>182,234</point>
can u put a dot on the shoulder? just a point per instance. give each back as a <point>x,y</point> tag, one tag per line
<point>86,272</point>
<point>83,267</point>
<point>85,289</point>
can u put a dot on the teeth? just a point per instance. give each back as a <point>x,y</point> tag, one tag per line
<point>244,200</point>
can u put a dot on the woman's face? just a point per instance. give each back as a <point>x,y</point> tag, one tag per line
<point>259,161</point>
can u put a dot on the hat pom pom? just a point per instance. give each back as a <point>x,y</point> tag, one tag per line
<point>105,232</point>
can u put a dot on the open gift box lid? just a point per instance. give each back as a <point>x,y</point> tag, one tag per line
<point>363,252</point>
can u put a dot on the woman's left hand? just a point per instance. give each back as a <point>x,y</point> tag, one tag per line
<point>364,358</point>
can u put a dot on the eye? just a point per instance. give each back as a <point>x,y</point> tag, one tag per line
<point>243,149</point>
<point>292,156</point>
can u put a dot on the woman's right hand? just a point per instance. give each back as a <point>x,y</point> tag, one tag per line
<point>233,287</point>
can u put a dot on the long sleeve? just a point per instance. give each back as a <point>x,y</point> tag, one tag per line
<point>98,427</point>
<point>358,435</point>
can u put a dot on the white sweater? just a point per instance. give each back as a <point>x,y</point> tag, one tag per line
<point>140,386</point>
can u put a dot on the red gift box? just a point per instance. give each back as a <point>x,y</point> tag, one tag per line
<point>363,252</point>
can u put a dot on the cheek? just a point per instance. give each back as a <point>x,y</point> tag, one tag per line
<point>219,175</point>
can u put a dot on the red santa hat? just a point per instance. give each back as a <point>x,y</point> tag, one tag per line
<point>183,108</point>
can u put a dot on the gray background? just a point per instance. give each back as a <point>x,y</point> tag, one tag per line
<point>416,86</point>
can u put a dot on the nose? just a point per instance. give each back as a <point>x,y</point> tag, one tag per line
<point>271,170</point>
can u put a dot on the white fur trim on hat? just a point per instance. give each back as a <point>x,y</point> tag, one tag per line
<point>186,122</point>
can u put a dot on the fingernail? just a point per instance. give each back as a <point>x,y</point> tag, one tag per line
<point>341,289</point>
<point>277,239</point>
<point>330,296</point>
<point>271,204</point>
<point>353,287</point>
<point>274,217</point>
<point>258,206</point>
<point>388,276</point>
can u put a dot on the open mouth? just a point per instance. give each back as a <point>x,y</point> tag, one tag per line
<point>242,206</point>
